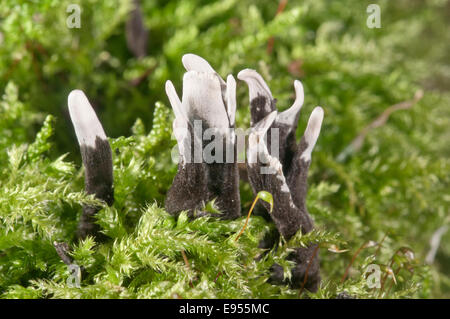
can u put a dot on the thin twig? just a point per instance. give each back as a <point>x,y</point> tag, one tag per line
<point>357,142</point>
<point>186,261</point>
<point>305,278</point>
<point>142,77</point>
<point>218,275</point>
<point>392,282</point>
<point>188,266</point>
<point>351,263</point>
<point>380,244</point>
<point>363,246</point>
<point>383,280</point>
<point>281,7</point>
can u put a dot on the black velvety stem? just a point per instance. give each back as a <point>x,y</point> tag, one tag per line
<point>286,180</point>
<point>223,185</point>
<point>287,217</point>
<point>98,181</point>
<point>195,184</point>
<point>188,189</point>
<point>297,176</point>
<point>63,250</point>
<point>223,182</point>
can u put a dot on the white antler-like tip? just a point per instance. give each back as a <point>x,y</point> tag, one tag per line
<point>175,101</point>
<point>299,92</point>
<point>254,81</point>
<point>197,63</point>
<point>85,121</point>
<point>312,132</point>
<point>243,74</point>
<point>231,80</point>
<point>290,116</point>
<point>231,99</point>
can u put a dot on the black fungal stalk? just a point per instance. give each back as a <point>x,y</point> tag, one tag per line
<point>284,175</point>
<point>136,32</point>
<point>97,160</point>
<point>205,116</point>
<point>63,251</point>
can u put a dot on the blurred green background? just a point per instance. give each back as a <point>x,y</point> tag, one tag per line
<point>395,189</point>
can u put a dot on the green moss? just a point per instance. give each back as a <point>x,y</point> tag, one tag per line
<point>394,190</point>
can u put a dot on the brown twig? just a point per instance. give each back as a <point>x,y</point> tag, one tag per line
<point>218,275</point>
<point>281,6</point>
<point>383,281</point>
<point>351,263</point>
<point>305,278</point>
<point>358,141</point>
<point>392,282</point>
<point>186,261</point>
<point>242,230</point>
<point>378,250</point>
<point>139,79</point>
<point>363,246</point>
<point>188,266</point>
<point>380,244</point>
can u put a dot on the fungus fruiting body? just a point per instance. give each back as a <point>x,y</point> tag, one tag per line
<point>283,174</point>
<point>97,160</point>
<point>205,115</point>
<point>204,128</point>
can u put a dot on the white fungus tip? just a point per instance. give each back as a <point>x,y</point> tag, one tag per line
<point>290,116</point>
<point>250,75</point>
<point>202,99</point>
<point>85,121</point>
<point>231,81</point>
<point>194,62</point>
<point>175,101</point>
<point>312,132</point>
<point>231,99</point>
<point>246,73</point>
<point>299,92</point>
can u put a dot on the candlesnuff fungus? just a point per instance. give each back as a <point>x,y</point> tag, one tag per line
<point>204,129</point>
<point>136,32</point>
<point>285,175</point>
<point>97,160</point>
